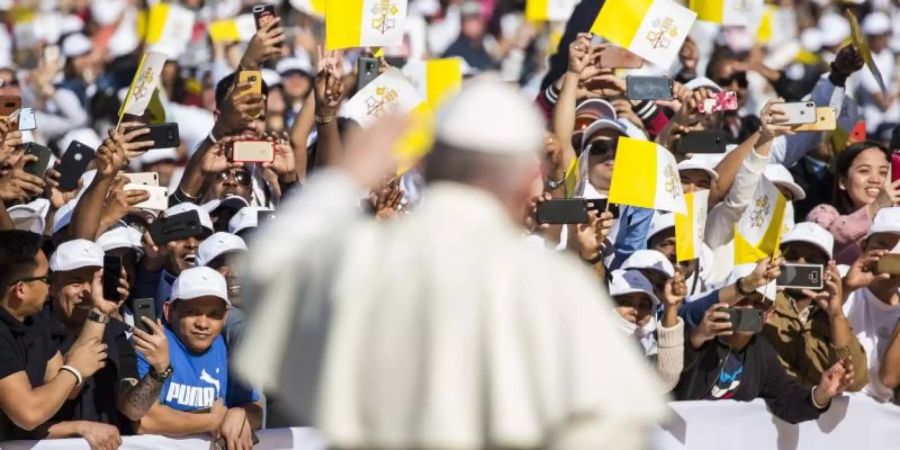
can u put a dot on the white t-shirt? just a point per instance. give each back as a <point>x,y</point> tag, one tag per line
<point>873,321</point>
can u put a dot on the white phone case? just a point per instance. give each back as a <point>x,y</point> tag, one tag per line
<point>799,113</point>
<point>159,196</point>
<point>143,178</point>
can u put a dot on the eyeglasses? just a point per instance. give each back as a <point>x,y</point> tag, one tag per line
<point>601,148</point>
<point>738,77</point>
<point>240,177</point>
<point>43,279</point>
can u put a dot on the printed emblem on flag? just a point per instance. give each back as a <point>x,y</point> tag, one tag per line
<point>382,101</point>
<point>142,89</point>
<point>673,183</point>
<point>385,13</point>
<point>760,212</point>
<point>662,33</point>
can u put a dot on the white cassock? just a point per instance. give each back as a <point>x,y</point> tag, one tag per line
<point>442,329</point>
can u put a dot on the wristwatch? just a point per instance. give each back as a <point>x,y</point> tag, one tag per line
<point>95,316</point>
<point>740,288</point>
<point>553,185</point>
<point>161,377</point>
<point>322,120</point>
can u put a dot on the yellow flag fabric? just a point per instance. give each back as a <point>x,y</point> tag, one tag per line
<point>435,79</point>
<point>314,7</point>
<point>144,85</point>
<point>646,176</point>
<point>862,45</point>
<point>744,251</point>
<point>169,28</point>
<point>240,29</point>
<point>418,140</point>
<point>764,32</point>
<point>651,29</point>
<point>549,10</point>
<point>364,23</point>
<point>728,12</point>
<point>690,227</point>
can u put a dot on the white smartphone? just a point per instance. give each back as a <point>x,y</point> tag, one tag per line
<point>26,119</point>
<point>799,113</point>
<point>143,178</point>
<point>159,196</point>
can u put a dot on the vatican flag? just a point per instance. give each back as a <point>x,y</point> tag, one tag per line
<point>646,175</point>
<point>364,23</point>
<point>758,232</point>
<point>856,36</point>
<point>728,12</point>
<point>241,29</point>
<point>169,28</point>
<point>144,85</point>
<point>435,79</point>
<point>690,227</point>
<point>549,10</point>
<point>314,7</point>
<point>651,29</point>
<point>390,93</point>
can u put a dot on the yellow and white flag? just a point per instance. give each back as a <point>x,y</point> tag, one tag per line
<point>364,23</point>
<point>728,12</point>
<point>240,29</point>
<point>144,84</point>
<point>549,10</point>
<point>758,232</point>
<point>646,175</point>
<point>690,227</point>
<point>390,93</point>
<point>651,29</point>
<point>169,28</point>
<point>862,45</point>
<point>435,79</point>
<point>314,7</point>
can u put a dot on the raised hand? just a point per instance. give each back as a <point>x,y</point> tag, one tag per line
<point>105,306</point>
<point>154,346</point>
<point>284,165</point>
<point>834,381</point>
<point>689,55</point>
<point>675,290</point>
<point>87,358</point>
<point>864,271</point>
<point>329,83</point>
<point>766,270</point>
<point>120,202</point>
<point>265,45</point>
<point>831,298</point>
<point>17,185</point>
<point>125,143</point>
<point>238,111</point>
<point>580,53</point>
<point>386,199</point>
<point>847,61</point>
<point>215,159</point>
<point>773,118</point>
<point>715,323</point>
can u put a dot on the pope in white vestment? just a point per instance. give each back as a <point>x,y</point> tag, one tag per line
<point>441,329</point>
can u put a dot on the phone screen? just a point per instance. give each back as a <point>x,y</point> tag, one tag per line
<point>801,276</point>
<point>649,88</point>
<point>112,269</point>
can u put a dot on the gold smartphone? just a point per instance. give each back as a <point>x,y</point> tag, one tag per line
<point>251,76</point>
<point>826,120</point>
<point>889,263</point>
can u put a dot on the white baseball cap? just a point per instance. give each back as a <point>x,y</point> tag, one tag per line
<point>205,221</point>
<point>876,23</point>
<point>811,233</point>
<point>76,45</point>
<point>780,176</point>
<point>271,77</point>
<point>698,164</point>
<point>597,108</point>
<point>295,64</point>
<point>86,136</point>
<point>649,259</point>
<point>231,201</point>
<point>835,29</point>
<point>121,237</point>
<point>30,216</point>
<point>660,223</point>
<point>886,221</point>
<point>156,155</point>
<point>217,245</point>
<point>245,218</point>
<point>63,216</point>
<point>199,282</point>
<point>599,125</point>
<point>626,282</point>
<point>703,82</point>
<point>490,116</point>
<point>76,254</point>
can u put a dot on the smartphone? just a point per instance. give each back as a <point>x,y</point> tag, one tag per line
<point>745,320</point>
<point>38,168</point>
<point>801,276</point>
<point>648,88</point>
<point>74,163</point>
<point>567,210</point>
<point>143,178</point>
<point>9,104</point>
<point>264,215</point>
<point>27,121</point>
<point>112,270</point>
<point>143,307</point>
<point>799,113</point>
<point>895,167</point>
<point>889,263</point>
<point>252,151</point>
<point>826,120</point>
<point>177,227</point>
<point>251,76</point>
<point>159,196</point>
<point>164,135</point>
<point>263,14</point>
<point>723,101</point>
<point>366,71</point>
<point>705,142</point>
<point>619,58</point>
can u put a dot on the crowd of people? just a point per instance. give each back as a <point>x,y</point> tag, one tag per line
<point>432,308</point>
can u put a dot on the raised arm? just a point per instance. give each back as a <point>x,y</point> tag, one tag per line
<point>580,55</point>
<point>300,132</point>
<point>329,92</point>
<point>889,371</point>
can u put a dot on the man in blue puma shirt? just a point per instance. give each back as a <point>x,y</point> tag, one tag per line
<point>197,395</point>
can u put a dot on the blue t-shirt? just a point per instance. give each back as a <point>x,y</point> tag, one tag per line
<point>198,379</point>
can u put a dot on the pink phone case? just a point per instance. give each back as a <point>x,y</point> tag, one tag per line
<point>724,101</point>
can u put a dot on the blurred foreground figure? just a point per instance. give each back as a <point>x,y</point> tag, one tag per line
<point>441,329</point>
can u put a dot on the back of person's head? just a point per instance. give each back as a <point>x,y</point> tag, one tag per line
<point>17,255</point>
<point>226,83</point>
<point>842,164</point>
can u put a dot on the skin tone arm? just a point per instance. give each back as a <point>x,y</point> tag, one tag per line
<point>889,372</point>
<point>6,222</point>
<point>300,131</point>
<point>329,91</point>
<point>161,419</point>
<point>675,291</point>
<point>135,398</point>
<point>580,54</point>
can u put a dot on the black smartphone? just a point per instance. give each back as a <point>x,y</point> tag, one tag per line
<point>73,165</point>
<point>264,215</point>
<point>164,135</point>
<point>112,270</point>
<point>366,71</point>
<point>179,226</point>
<point>745,320</point>
<point>708,142</point>
<point>648,88</point>
<point>566,210</point>
<point>38,168</point>
<point>801,276</point>
<point>143,307</point>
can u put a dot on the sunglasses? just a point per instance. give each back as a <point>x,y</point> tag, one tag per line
<point>601,148</point>
<point>738,77</point>
<point>241,177</point>
<point>43,279</point>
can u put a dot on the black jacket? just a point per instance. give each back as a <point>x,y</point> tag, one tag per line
<point>762,377</point>
<point>580,21</point>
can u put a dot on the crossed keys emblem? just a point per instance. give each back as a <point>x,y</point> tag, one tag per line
<point>760,211</point>
<point>673,186</point>
<point>660,36</point>
<point>141,88</point>
<point>384,12</point>
<point>383,100</point>
<point>743,6</point>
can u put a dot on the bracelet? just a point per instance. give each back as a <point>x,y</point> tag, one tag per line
<point>75,373</point>
<point>212,139</point>
<point>322,120</point>
<point>740,288</point>
<point>98,317</point>
<point>812,397</point>
<point>554,184</point>
<point>162,376</point>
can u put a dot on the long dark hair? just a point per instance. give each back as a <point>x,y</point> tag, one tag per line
<point>842,164</point>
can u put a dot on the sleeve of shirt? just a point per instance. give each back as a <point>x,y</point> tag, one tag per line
<point>692,312</point>
<point>787,150</point>
<point>721,219</point>
<point>9,361</point>
<point>143,367</point>
<point>670,359</point>
<point>789,400</point>
<point>846,229</point>
<point>128,365</point>
<point>635,225</point>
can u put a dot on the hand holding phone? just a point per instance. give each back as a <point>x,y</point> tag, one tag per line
<point>723,101</point>
<point>706,142</point>
<point>143,307</point>
<point>257,151</point>
<point>801,276</point>
<point>74,163</point>
<point>112,270</point>
<point>366,71</point>
<point>798,113</point>
<point>44,155</point>
<point>567,210</point>
<point>744,320</point>
<point>163,135</point>
<point>648,88</point>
